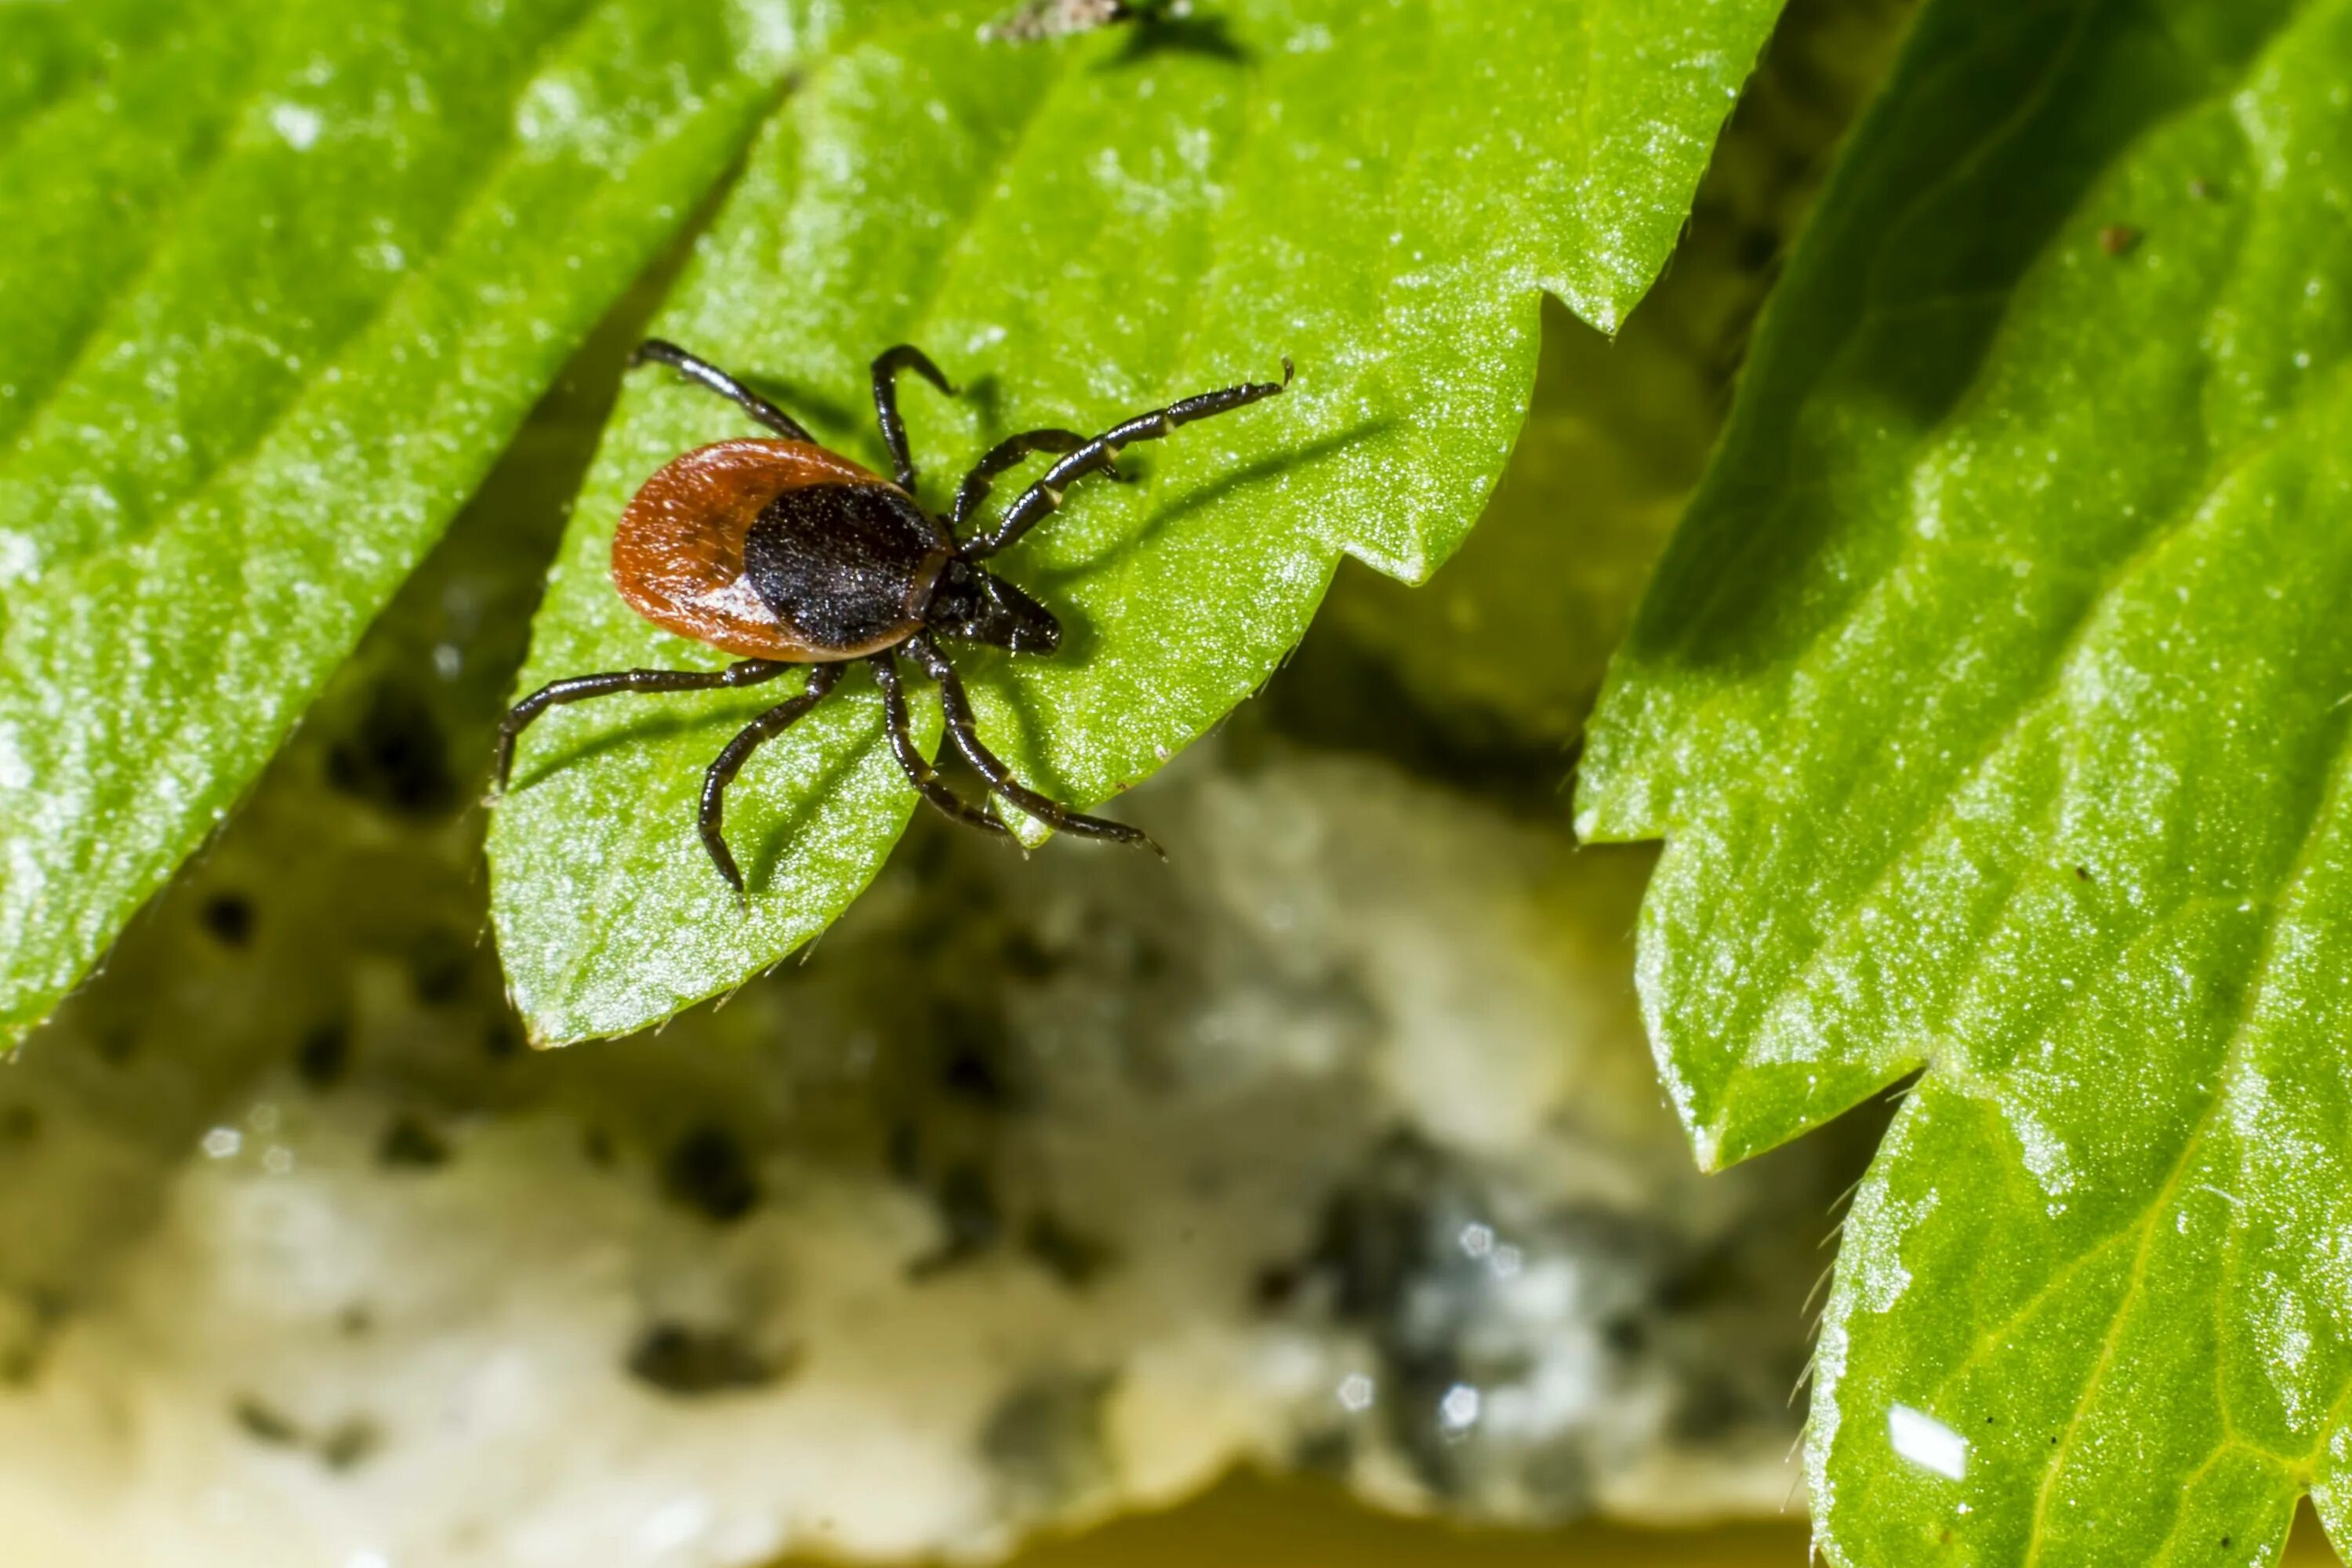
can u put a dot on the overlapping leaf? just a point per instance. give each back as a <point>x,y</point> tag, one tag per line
<point>1993,701</point>
<point>278,281</point>
<point>1077,231</point>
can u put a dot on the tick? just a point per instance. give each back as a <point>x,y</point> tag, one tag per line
<point>788,554</point>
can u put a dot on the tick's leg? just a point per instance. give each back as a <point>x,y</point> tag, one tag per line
<point>917,769</point>
<point>887,366</point>
<point>1001,456</point>
<point>1040,499</point>
<point>746,672</point>
<point>729,763</point>
<point>957,708</point>
<point>695,368</point>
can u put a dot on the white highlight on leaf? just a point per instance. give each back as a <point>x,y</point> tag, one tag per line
<point>15,773</point>
<point>297,126</point>
<point>1874,1244</point>
<point>1927,1442</point>
<point>20,558</point>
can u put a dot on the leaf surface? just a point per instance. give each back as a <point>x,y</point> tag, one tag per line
<point>279,282</point>
<point>1992,699</point>
<point>1076,232</point>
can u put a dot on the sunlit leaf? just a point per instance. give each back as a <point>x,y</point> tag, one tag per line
<point>1992,700</point>
<point>278,281</point>
<point>1077,231</point>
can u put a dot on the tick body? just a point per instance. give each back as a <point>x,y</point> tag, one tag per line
<point>785,555</point>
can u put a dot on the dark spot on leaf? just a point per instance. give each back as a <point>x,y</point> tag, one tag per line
<point>19,1124</point>
<point>686,1361</point>
<point>324,1056</point>
<point>2083,873</point>
<point>229,918</point>
<point>409,1144</point>
<point>1757,249</point>
<point>396,757</point>
<point>2119,240</point>
<point>1076,1260</point>
<point>596,1145</point>
<point>707,1173</point>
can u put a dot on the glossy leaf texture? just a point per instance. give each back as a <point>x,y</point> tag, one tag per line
<point>1077,231</point>
<point>1992,700</point>
<point>279,281</point>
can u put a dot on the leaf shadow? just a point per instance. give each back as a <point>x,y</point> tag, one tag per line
<point>1049,579</point>
<point>1211,37</point>
<point>646,727</point>
<point>811,407</point>
<point>781,829</point>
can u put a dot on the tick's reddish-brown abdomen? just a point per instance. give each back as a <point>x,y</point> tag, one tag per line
<point>678,554</point>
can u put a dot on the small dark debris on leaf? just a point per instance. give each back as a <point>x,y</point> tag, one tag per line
<point>686,1361</point>
<point>2119,240</point>
<point>707,1173</point>
<point>2081,873</point>
<point>1055,18</point>
<point>409,1144</point>
<point>229,918</point>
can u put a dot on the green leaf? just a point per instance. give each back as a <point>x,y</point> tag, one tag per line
<point>1077,231</point>
<point>1993,700</point>
<point>279,281</point>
